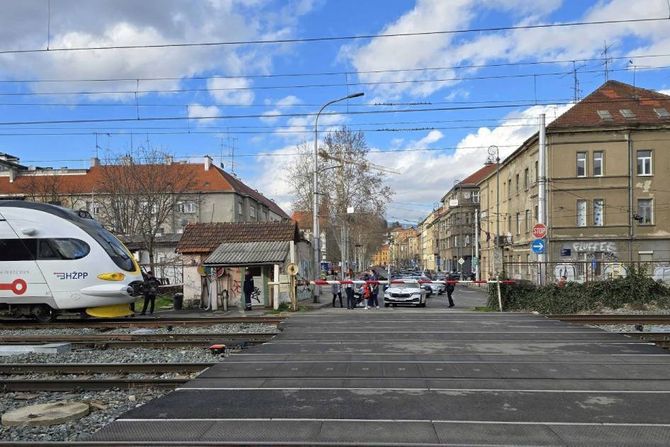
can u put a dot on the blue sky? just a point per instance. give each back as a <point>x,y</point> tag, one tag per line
<point>494,98</point>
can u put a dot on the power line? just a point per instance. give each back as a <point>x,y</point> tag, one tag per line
<point>336,38</point>
<point>322,85</point>
<point>337,73</point>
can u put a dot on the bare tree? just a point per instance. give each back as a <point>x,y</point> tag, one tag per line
<point>137,196</point>
<point>347,179</point>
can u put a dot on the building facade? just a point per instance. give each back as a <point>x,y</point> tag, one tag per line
<point>607,191</point>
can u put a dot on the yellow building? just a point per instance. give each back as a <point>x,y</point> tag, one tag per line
<point>607,189</point>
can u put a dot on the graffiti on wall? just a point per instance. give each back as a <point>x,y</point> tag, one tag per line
<point>593,247</point>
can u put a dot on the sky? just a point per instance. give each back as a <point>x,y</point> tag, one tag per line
<point>433,105</point>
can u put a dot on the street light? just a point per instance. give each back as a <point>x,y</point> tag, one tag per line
<point>315,201</point>
<point>493,149</point>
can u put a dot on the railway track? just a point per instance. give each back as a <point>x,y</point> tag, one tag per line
<point>57,376</point>
<point>141,340</point>
<point>134,322</point>
<point>102,368</point>
<point>613,318</point>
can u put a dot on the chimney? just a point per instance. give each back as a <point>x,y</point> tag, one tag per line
<point>12,175</point>
<point>208,162</point>
<point>95,161</point>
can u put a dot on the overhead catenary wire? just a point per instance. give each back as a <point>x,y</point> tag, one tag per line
<point>337,38</point>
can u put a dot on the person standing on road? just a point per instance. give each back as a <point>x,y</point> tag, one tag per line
<point>150,291</point>
<point>248,289</point>
<point>450,288</point>
<point>366,292</point>
<point>349,290</point>
<point>374,290</point>
<point>336,290</point>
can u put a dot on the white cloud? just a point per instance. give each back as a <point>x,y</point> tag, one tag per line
<point>446,50</point>
<point>200,111</point>
<point>128,22</point>
<point>427,175</point>
<point>224,92</point>
<point>283,103</point>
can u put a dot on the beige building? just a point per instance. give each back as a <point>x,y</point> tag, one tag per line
<point>428,241</point>
<point>381,257</point>
<point>607,192</point>
<point>404,247</point>
<point>460,206</point>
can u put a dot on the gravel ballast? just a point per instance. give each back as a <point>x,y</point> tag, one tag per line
<point>106,406</point>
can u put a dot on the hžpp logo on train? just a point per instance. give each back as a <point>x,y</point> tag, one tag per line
<point>71,275</point>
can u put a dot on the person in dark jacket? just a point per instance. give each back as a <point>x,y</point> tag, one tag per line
<point>150,291</point>
<point>451,287</point>
<point>248,289</point>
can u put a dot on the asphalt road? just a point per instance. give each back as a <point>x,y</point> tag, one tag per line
<point>429,376</point>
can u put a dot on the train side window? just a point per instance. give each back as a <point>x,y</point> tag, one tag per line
<point>70,248</point>
<point>15,250</point>
<point>61,248</point>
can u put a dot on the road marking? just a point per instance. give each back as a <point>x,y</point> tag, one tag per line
<point>456,390</point>
<point>430,421</point>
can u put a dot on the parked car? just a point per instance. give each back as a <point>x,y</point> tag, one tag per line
<point>409,293</point>
<point>431,289</point>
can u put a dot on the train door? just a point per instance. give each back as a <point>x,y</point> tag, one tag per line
<point>21,281</point>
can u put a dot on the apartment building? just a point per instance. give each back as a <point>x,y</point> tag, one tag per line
<point>607,188</point>
<point>428,242</point>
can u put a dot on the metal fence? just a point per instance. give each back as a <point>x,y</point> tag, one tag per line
<point>584,271</point>
<point>167,272</point>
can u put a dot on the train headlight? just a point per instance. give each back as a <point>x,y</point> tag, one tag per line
<point>116,276</point>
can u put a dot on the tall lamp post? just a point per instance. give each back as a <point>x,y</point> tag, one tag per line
<point>315,200</point>
<point>493,149</point>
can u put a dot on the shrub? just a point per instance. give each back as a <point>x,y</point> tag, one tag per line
<point>636,289</point>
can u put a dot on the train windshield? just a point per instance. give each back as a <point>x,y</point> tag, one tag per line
<point>114,249</point>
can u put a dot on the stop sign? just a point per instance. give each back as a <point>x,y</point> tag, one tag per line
<point>539,231</point>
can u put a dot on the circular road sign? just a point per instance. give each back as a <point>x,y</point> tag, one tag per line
<point>539,231</point>
<point>537,246</point>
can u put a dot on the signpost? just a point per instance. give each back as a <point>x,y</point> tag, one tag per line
<point>537,246</point>
<point>461,261</point>
<point>539,231</point>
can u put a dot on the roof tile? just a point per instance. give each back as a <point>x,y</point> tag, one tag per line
<point>205,237</point>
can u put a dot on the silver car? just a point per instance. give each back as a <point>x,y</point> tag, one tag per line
<point>409,293</point>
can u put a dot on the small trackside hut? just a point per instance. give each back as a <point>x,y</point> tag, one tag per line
<point>217,255</point>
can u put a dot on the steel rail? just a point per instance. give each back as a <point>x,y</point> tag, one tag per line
<point>60,384</point>
<point>101,368</point>
<point>102,338</point>
<point>613,318</point>
<point>134,322</point>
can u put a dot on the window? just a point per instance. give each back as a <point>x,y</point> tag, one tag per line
<point>114,248</point>
<point>509,188</point>
<point>598,210</point>
<point>527,221</point>
<point>581,164</point>
<point>525,179</point>
<point>627,113</point>
<point>517,183</point>
<point>537,213</point>
<point>645,211</point>
<point>14,250</point>
<point>662,112</point>
<point>186,207</point>
<point>537,172</point>
<point>95,208</point>
<point>475,196</point>
<point>581,213</point>
<point>509,224</point>
<point>605,115</point>
<point>644,162</point>
<point>518,223</point>
<point>598,168</point>
<point>252,212</point>
<point>240,209</point>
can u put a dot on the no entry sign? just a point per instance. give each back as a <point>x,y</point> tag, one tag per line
<point>539,231</point>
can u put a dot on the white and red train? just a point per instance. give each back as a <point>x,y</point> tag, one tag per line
<point>54,259</point>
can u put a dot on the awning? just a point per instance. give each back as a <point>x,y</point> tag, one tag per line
<point>249,253</point>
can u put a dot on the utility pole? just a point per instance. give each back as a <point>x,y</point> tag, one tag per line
<point>542,194</point>
<point>477,243</point>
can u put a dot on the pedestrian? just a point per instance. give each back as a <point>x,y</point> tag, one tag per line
<point>337,292</point>
<point>450,289</point>
<point>367,293</point>
<point>374,291</point>
<point>349,290</point>
<point>562,281</point>
<point>248,289</point>
<point>150,287</point>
